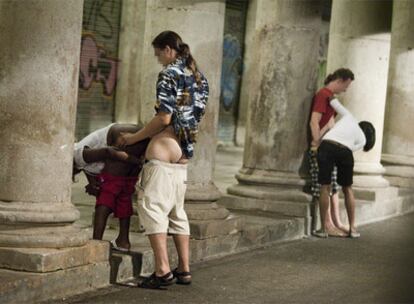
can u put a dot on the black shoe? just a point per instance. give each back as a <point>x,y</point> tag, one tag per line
<point>183,278</point>
<point>155,282</point>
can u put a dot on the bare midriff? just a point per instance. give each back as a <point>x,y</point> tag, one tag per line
<point>165,147</point>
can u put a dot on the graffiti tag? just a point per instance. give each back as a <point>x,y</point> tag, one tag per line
<point>96,66</point>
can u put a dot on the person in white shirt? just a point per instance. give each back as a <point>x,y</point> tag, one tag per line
<point>345,137</point>
<point>112,174</point>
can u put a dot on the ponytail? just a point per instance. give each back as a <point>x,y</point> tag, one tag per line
<point>184,51</point>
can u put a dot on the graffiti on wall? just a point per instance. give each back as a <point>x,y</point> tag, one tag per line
<point>96,66</point>
<point>100,17</point>
<point>231,71</point>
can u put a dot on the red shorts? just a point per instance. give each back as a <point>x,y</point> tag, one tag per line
<point>116,193</point>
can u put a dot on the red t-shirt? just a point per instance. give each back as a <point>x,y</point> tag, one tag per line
<point>321,105</point>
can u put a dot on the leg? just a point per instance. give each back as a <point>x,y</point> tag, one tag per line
<point>350,208</point>
<point>124,212</point>
<point>335,203</point>
<point>325,211</point>
<point>123,237</point>
<point>99,224</point>
<point>335,213</point>
<point>325,164</point>
<point>324,207</point>
<point>182,244</point>
<point>159,247</point>
<point>345,179</point>
<point>162,276</point>
<point>182,272</point>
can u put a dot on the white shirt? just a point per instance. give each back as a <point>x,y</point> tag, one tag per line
<point>95,140</point>
<point>346,131</point>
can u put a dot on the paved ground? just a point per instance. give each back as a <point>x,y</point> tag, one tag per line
<point>377,268</point>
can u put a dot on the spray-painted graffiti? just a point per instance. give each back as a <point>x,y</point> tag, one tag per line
<point>231,71</point>
<point>99,17</point>
<point>96,66</point>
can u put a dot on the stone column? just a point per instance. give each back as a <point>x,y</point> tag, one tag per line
<point>200,23</point>
<point>283,65</point>
<point>128,105</point>
<point>398,147</point>
<point>360,41</point>
<point>249,50</point>
<point>39,61</point>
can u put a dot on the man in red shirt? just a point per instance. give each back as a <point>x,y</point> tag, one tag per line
<point>321,120</point>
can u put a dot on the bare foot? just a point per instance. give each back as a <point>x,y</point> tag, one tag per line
<point>353,233</point>
<point>343,228</point>
<point>336,232</point>
<point>122,245</point>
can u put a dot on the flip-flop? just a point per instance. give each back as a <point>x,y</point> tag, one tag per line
<point>116,247</point>
<point>338,233</point>
<point>320,234</point>
<point>354,234</point>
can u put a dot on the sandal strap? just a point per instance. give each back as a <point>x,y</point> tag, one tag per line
<point>156,282</point>
<point>181,274</point>
<point>165,276</point>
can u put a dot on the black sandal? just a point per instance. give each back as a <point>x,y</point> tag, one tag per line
<point>183,278</point>
<point>155,282</point>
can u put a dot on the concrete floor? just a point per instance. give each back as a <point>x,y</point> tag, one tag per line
<point>377,268</point>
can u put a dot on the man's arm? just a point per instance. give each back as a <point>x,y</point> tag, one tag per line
<point>315,130</point>
<point>116,130</point>
<point>158,123</point>
<point>339,108</point>
<point>103,154</point>
<point>328,126</point>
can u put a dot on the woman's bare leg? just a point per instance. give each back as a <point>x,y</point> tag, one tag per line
<point>335,214</point>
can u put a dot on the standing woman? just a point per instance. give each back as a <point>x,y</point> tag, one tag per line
<point>182,93</point>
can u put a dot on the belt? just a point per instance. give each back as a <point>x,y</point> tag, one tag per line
<point>336,143</point>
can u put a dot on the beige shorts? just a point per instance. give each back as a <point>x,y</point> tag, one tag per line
<point>161,209</point>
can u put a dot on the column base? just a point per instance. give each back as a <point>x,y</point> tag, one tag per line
<point>40,225</point>
<point>369,175</point>
<point>30,236</point>
<point>45,274</point>
<point>206,218</point>
<point>47,259</point>
<point>198,192</point>
<point>376,204</point>
<point>399,170</point>
<point>273,191</point>
<point>270,191</point>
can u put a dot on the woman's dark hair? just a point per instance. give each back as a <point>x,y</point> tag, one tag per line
<point>369,132</point>
<point>341,73</point>
<point>174,41</point>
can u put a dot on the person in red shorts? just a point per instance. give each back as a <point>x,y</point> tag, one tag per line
<point>321,120</point>
<point>112,174</point>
